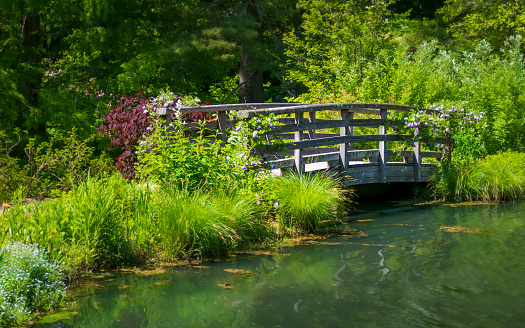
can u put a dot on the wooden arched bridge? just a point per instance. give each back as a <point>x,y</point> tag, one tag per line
<point>313,149</point>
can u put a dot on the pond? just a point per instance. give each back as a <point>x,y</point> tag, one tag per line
<point>458,266</point>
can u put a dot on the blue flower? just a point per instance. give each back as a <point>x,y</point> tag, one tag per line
<point>238,128</point>
<point>276,205</point>
<point>272,166</point>
<point>255,133</point>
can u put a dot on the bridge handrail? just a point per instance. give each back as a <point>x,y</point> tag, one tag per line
<point>345,139</point>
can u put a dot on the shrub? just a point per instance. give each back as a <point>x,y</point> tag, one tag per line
<point>202,159</point>
<point>50,167</point>
<point>128,124</point>
<point>305,201</point>
<point>29,283</point>
<point>125,126</point>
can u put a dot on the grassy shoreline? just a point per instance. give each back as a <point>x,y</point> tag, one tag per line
<point>112,223</point>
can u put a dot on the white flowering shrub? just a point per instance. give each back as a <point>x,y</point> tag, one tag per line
<point>29,283</point>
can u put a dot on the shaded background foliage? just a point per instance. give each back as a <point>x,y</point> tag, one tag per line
<point>66,64</point>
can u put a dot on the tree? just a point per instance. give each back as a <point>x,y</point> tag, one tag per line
<point>493,20</point>
<point>335,41</point>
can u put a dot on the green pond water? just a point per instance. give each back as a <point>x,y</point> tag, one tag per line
<point>443,266</point>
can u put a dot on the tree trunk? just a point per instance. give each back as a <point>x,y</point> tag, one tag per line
<point>30,36</point>
<point>250,75</point>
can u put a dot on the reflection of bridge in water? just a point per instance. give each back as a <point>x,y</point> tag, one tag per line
<point>310,149</point>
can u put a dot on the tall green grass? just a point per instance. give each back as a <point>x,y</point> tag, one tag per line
<point>83,228</point>
<point>306,201</point>
<point>203,224</point>
<point>496,178</point>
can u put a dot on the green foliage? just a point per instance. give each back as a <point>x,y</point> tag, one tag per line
<point>473,21</point>
<point>194,160</point>
<point>334,43</point>
<point>52,166</point>
<point>304,202</point>
<point>170,155</point>
<point>29,283</point>
<point>481,81</point>
<point>460,124</point>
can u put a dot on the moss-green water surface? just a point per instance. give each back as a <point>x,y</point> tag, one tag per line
<point>443,266</point>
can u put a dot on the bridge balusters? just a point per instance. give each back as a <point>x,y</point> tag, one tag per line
<point>343,147</point>
<point>221,124</point>
<point>311,118</point>
<point>382,147</point>
<point>417,158</point>
<point>298,136</point>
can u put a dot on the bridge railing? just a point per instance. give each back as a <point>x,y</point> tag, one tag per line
<point>304,152</point>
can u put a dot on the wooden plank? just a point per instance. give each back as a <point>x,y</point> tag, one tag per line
<point>351,127</point>
<point>382,149</point>
<point>329,124</point>
<point>225,107</point>
<point>364,108</point>
<point>337,140</point>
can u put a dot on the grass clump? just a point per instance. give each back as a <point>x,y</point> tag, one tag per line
<point>203,224</point>
<point>29,283</point>
<point>500,177</point>
<point>305,201</point>
<point>495,178</point>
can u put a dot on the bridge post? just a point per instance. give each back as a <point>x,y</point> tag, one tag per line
<point>221,122</point>
<point>351,130</point>
<point>343,147</point>
<point>382,147</point>
<point>311,118</point>
<point>417,158</point>
<point>298,153</point>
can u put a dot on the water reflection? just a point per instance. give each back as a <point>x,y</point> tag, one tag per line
<point>408,272</point>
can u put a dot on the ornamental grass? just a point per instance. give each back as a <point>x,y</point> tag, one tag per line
<point>306,201</point>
